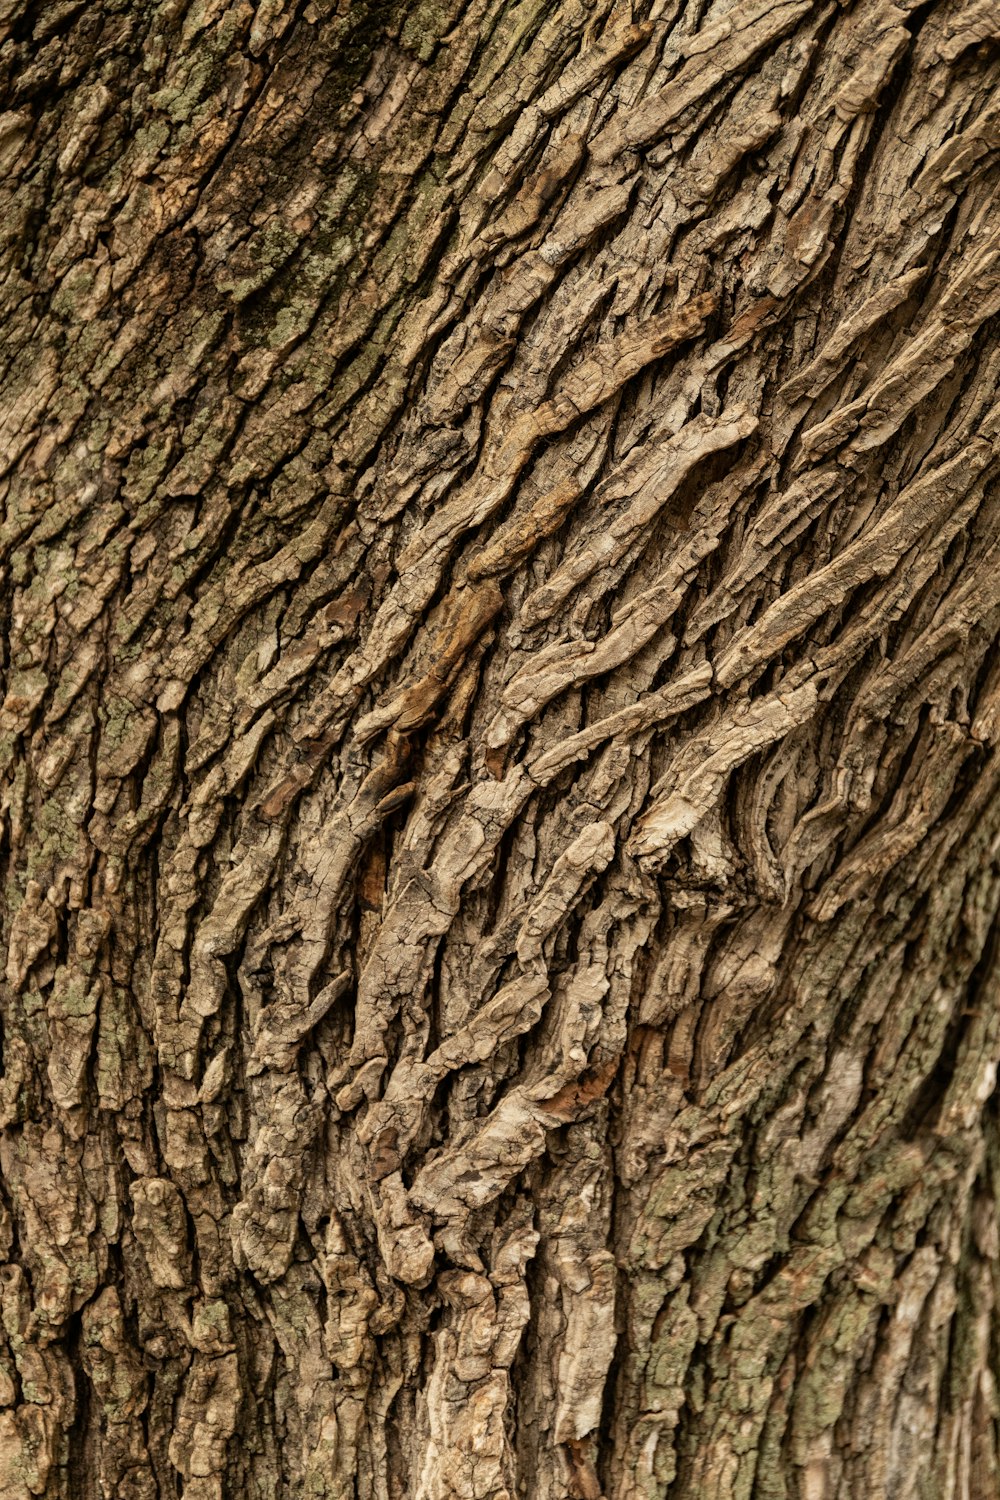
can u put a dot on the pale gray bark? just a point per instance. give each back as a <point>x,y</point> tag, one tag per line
<point>501,824</point>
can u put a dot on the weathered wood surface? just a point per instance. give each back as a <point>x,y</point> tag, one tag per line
<point>501,825</point>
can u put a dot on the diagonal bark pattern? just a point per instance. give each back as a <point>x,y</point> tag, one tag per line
<point>501,806</point>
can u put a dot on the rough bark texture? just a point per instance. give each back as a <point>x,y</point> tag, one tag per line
<point>501,824</point>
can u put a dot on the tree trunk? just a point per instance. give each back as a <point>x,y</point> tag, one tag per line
<point>501,841</point>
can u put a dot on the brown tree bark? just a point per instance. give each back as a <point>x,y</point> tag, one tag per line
<point>501,822</point>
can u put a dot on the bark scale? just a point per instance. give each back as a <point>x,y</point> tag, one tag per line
<point>501,825</point>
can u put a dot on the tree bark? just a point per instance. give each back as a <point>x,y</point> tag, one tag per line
<point>501,809</point>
